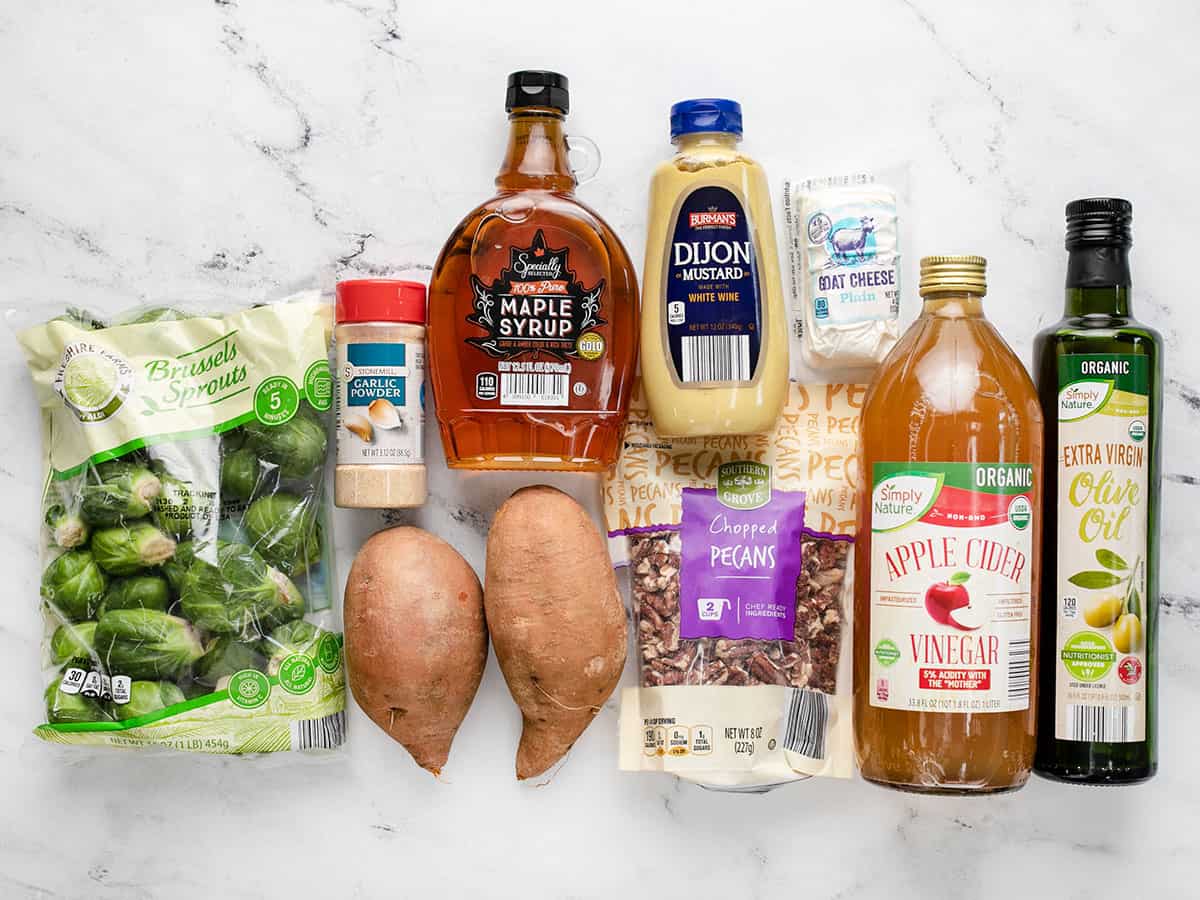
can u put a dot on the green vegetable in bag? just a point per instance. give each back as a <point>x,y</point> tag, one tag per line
<point>174,510</point>
<point>127,549</point>
<point>155,314</point>
<point>146,697</point>
<point>225,655</point>
<point>297,447</point>
<point>62,708</point>
<point>146,643</point>
<point>73,641</point>
<point>291,637</point>
<point>176,567</point>
<point>284,530</point>
<point>240,473</point>
<point>74,584</point>
<point>239,595</point>
<point>123,491</point>
<point>67,529</point>
<point>137,592</point>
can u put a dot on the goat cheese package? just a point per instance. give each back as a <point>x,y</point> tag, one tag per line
<point>843,251</point>
<point>739,552</point>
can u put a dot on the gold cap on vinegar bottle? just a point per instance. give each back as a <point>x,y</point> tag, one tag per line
<point>953,274</point>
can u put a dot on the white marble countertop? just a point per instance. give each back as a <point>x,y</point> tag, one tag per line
<point>235,148</point>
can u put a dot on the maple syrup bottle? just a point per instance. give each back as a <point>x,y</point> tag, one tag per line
<point>533,310</point>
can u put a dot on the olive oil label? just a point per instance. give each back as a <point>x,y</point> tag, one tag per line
<point>381,403</point>
<point>713,327</point>
<point>1103,476</point>
<point>539,325</point>
<point>951,578</point>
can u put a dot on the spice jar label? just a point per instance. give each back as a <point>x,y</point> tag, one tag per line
<point>381,399</point>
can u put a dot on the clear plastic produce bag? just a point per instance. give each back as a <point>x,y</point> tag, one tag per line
<point>187,587</point>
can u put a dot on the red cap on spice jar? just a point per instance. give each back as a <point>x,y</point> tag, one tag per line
<point>381,300</point>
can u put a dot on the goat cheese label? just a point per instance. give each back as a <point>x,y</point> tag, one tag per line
<point>713,324</point>
<point>853,265</point>
<point>1103,607</point>
<point>951,586</point>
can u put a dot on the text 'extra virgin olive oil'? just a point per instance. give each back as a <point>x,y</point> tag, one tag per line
<point>947,551</point>
<point>1099,374</point>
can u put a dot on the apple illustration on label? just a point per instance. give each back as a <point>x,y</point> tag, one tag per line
<point>948,603</point>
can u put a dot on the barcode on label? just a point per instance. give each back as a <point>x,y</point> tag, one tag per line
<point>325,733</point>
<point>1099,723</point>
<point>1018,674</point>
<point>533,389</point>
<point>720,357</point>
<point>807,718</point>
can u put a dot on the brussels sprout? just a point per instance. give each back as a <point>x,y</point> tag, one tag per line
<point>81,318</point>
<point>283,529</point>
<point>176,567</point>
<point>62,707</point>
<point>239,595</point>
<point>291,637</point>
<point>126,549</point>
<point>225,655</point>
<point>74,584</point>
<point>146,697</point>
<point>73,642</point>
<point>239,474</point>
<point>153,314</point>
<point>297,446</point>
<point>146,643</point>
<point>68,529</point>
<point>124,490</point>
<point>174,509</point>
<point>137,592</point>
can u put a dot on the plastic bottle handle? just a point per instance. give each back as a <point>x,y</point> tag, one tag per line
<point>583,156</point>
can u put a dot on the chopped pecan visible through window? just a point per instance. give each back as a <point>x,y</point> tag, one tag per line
<point>810,660</point>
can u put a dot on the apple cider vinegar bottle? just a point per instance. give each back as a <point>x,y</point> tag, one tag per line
<point>947,554</point>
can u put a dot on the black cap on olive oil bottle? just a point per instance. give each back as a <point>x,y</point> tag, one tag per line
<point>1099,377</point>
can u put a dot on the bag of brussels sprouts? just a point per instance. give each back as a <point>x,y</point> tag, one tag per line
<point>188,580</point>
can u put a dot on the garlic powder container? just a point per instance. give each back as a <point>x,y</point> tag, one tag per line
<point>843,246</point>
<point>380,336</point>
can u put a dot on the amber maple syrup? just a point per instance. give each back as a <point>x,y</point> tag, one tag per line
<point>533,310</point>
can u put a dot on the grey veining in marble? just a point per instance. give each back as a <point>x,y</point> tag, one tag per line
<point>238,148</point>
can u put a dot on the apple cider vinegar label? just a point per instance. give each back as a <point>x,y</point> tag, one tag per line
<point>1103,475</point>
<point>951,579</point>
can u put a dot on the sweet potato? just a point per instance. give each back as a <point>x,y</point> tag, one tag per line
<point>416,639</point>
<point>556,619</point>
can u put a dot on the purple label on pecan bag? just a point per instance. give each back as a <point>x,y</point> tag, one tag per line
<point>740,557</point>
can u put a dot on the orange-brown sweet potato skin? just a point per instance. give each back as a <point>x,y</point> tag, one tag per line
<point>556,619</point>
<point>416,639</point>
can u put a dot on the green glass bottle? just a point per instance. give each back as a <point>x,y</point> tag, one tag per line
<point>1099,376</point>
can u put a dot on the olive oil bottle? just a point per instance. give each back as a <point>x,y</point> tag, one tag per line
<point>1099,376</point>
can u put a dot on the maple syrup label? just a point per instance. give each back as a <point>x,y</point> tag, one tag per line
<point>951,579</point>
<point>1103,520</point>
<point>713,325</point>
<point>539,323</point>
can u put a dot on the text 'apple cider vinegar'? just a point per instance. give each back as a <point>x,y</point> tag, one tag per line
<point>947,552</point>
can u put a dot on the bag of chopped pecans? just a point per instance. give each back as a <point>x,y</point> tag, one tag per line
<point>739,551</point>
